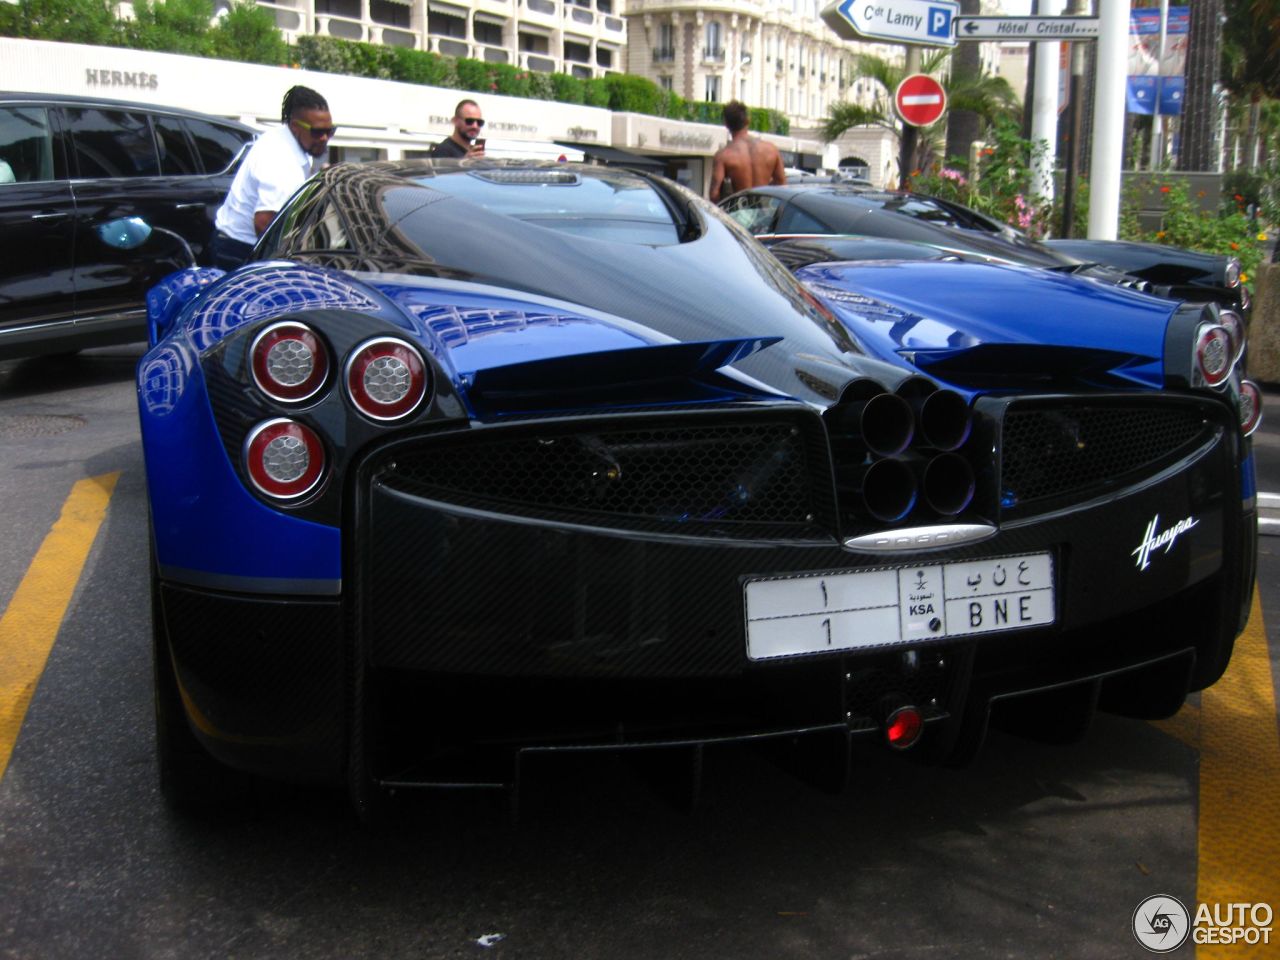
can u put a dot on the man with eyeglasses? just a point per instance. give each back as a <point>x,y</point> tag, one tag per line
<point>466,139</point>
<point>277,164</point>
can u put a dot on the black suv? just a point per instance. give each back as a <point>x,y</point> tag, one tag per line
<point>69,168</point>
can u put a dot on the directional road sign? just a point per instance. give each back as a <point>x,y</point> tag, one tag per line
<point>1026,28</point>
<point>924,22</point>
<point>920,100</point>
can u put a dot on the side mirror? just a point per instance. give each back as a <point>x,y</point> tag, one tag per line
<point>126,233</point>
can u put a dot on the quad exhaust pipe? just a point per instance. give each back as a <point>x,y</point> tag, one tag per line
<point>898,451</point>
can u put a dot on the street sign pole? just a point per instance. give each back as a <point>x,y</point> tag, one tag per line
<point>1044,111</point>
<point>907,142</point>
<point>1107,155</point>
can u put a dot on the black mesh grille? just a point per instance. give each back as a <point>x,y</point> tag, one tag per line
<point>1079,451</point>
<point>753,474</point>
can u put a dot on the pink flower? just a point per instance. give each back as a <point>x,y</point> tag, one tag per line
<point>948,174</point>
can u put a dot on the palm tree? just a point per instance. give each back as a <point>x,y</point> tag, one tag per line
<point>1250,63</point>
<point>986,96</point>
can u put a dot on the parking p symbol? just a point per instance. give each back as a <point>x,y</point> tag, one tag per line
<point>939,22</point>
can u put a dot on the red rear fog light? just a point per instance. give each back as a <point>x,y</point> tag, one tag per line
<point>902,728</point>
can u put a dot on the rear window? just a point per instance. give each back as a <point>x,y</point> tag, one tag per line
<point>216,143</point>
<point>603,207</point>
<point>176,156</point>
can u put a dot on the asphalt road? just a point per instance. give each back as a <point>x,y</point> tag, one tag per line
<point>1034,850</point>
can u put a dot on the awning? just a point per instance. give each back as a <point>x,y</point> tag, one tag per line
<point>492,19</point>
<point>613,157</point>
<point>447,10</point>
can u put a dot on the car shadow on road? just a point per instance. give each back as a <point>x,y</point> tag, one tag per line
<point>53,374</point>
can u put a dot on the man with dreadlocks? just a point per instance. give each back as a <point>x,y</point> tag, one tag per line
<point>277,164</point>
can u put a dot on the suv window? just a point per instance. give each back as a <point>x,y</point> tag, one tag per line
<point>26,146</point>
<point>112,143</point>
<point>216,144</point>
<point>177,158</point>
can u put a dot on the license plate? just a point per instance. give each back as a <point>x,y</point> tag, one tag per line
<point>816,613</point>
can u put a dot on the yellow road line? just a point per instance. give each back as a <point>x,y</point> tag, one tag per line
<point>1240,787</point>
<point>31,621</point>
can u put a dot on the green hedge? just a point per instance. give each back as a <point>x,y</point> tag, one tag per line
<point>618,92</point>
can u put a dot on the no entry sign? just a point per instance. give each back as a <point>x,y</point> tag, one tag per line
<point>920,100</point>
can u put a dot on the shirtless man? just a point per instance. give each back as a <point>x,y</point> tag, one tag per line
<point>745,161</point>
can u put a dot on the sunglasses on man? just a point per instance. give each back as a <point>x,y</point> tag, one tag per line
<point>473,121</point>
<point>316,132</point>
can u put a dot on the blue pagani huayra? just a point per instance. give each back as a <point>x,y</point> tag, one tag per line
<point>479,461</point>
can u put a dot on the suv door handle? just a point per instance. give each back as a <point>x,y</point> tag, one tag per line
<point>188,206</point>
<point>54,215</point>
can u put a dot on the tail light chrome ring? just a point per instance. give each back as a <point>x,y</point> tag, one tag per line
<point>283,458</point>
<point>1250,407</point>
<point>1234,325</point>
<point>386,378</point>
<point>290,363</point>
<point>1213,354</point>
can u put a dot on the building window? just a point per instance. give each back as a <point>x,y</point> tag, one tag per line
<point>604,58</point>
<point>534,43</point>
<point>713,89</point>
<point>577,52</point>
<point>339,8</point>
<point>388,12</point>
<point>665,83</point>
<point>489,34</point>
<point>443,25</point>
<point>714,49</point>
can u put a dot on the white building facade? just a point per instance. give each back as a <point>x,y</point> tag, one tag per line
<point>583,38</point>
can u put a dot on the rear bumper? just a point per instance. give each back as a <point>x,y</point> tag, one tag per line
<point>483,630</point>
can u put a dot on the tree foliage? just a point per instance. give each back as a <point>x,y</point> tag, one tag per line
<point>248,33</point>
<point>70,21</point>
<point>172,26</point>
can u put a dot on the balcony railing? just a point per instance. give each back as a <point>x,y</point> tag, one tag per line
<point>541,6</point>
<point>341,28</point>
<point>452,48</point>
<point>614,23</point>
<point>496,55</point>
<point>714,54</point>
<point>399,38</point>
<point>583,16</point>
<point>664,54</point>
<point>540,64</point>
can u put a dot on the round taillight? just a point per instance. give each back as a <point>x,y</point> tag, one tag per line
<point>284,459</point>
<point>1234,325</point>
<point>386,378</point>
<point>290,363</point>
<point>902,728</point>
<point>1213,354</point>
<point>1231,275</point>
<point>1250,407</point>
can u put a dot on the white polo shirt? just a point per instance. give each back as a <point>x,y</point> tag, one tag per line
<point>274,168</point>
